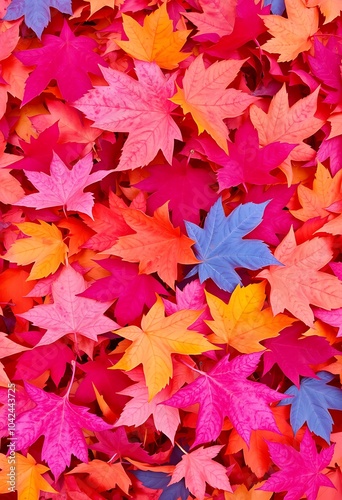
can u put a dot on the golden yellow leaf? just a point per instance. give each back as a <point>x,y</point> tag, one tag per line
<point>242,323</point>
<point>159,337</point>
<point>44,247</point>
<point>28,476</point>
<point>155,40</point>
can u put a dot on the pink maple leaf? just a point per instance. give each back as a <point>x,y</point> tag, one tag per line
<point>63,186</point>
<point>67,59</point>
<point>70,313</point>
<point>140,107</point>
<point>224,391</point>
<point>300,472</point>
<point>61,422</point>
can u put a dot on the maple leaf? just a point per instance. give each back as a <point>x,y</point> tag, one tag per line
<point>70,313</point>
<point>241,493</point>
<point>301,264</point>
<point>198,468</point>
<point>242,323</point>
<point>300,472</point>
<point>292,35</point>
<point>29,480</point>
<point>60,422</point>
<point>205,96</point>
<point>311,350</point>
<point>310,403</point>
<point>187,190</point>
<point>65,58</point>
<point>63,186</point>
<point>153,344</point>
<point>96,5</point>
<point>191,297</point>
<point>277,6</point>
<point>298,123</point>
<point>217,19</point>
<point>249,163</point>
<point>160,481</point>
<point>104,476</point>
<point>37,14</point>
<point>156,244</point>
<point>224,391</point>
<point>277,220</point>
<point>155,40</point>
<point>325,191</point>
<point>141,108</point>
<point>133,290</point>
<point>220,247</point>
<point>44,247</point>
<point>329,8</point>
<point>10,188</point>
<point>8,347</point>
<point>325,65</point>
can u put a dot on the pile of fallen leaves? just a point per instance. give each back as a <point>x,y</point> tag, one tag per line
<point>171,272</point>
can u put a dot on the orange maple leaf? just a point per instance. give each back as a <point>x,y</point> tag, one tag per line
<point>242,323</point>
<point>155,40</point>
<point>299,283</point>
<point>157,245</point>
<point>104,476</point>
<point>325,191</point>
<point>159,337</point>
<point>329,8</point>
<point>205,96</point>
<point>292,35</point>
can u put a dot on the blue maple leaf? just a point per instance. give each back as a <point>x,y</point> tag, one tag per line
<point>36,12</point>
<point>277,6</point>
<point>160,481</point>
<point>310,404</point>
<point>220,247</point>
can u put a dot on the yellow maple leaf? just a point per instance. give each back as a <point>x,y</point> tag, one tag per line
<point>292,35</point>
<point>28,480</point>
<point>155,40</point>
<point>242,323</point>
<point>44,247</point>
<point>159,337</point>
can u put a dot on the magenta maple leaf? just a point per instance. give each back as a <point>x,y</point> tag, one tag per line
<point>63,186</point>
<point>311,350</point>
<point>277,221</point>
<point>224,391</point>
<point>38,152</point>
<point>67,59</point>
<point>300,472</point>
<point>133,290</point>
<point>70,313</point>
<point>61,422</point>
<point>248,163</point>
<point>326,66</point>
<point>187,188</point>
<point>141,108</point>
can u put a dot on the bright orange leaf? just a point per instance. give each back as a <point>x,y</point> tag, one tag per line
<point>159,337</point>
<point>242,323</point>
<point>156,245</point>
<point>325,190</point>
<point>28,474</point>
<point>104,476</point>
<point>329,8</point>
<point>155,40</point>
